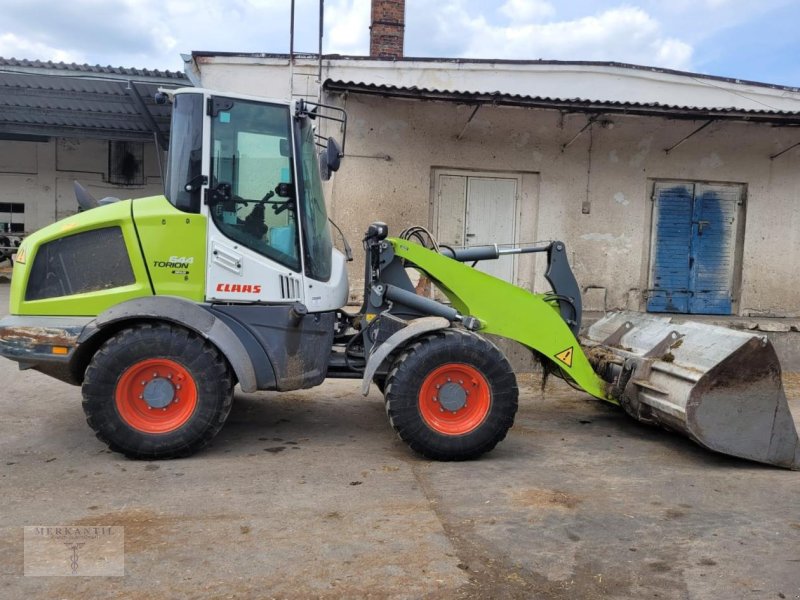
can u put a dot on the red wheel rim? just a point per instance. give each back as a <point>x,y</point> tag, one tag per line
<point>170,388</point>
<point>454,399</point>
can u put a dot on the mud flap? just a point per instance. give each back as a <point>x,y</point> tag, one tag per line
<point>720,387</point>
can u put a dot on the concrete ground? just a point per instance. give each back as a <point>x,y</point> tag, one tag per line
<point>307,495</point>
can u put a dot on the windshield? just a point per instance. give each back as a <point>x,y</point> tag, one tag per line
<point>314,216</point>
<point>185,152</point>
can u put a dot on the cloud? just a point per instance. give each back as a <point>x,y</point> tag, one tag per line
<point>527,10</point>
<point>151,33</point>
<point>347,26</point>
<point>624,34</point>
<point>13,46</point>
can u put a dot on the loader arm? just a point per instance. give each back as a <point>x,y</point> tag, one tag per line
<point>720,388</point>
<point>527,318</point>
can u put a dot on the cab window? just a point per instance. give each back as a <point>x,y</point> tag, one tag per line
<point>316,232</point>
<point>251,189</point>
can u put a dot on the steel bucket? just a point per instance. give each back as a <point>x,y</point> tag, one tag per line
<point>720,387</point>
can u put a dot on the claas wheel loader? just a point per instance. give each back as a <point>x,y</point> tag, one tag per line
<point>158,307</point>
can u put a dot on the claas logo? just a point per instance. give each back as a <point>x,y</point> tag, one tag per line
<point>239,288</point>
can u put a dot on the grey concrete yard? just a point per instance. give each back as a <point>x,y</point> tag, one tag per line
<point>307,495</point>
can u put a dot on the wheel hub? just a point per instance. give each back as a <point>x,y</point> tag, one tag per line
<point>454,399</point>
<point>452,396</point>
<point>158,392</point>
<point>156,395</point>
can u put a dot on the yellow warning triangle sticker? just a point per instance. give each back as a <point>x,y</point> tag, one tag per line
<point>565,356</point>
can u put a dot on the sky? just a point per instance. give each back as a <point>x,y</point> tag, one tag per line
<point>746,39</point>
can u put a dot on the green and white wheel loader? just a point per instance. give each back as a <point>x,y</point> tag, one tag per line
<point>159,306</point>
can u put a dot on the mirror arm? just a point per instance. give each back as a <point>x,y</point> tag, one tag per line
<point>195,182</point>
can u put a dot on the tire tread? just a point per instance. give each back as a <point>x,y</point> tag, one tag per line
<point>411,367</point>
<point>100,383</point>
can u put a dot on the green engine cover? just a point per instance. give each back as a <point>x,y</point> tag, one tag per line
<point>165,246</point>
<point>174,247</point>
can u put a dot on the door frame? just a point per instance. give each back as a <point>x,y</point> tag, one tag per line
<point>738,251</point>
<point>433,213</point>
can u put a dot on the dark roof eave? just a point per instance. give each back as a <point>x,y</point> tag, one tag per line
<point>79,131</point>
<point>569,105</point>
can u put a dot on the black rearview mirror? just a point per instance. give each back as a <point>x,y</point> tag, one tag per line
<point>333,155</point>
<point>330,159</point>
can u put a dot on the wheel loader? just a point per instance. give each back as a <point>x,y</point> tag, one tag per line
<point>158,307</point>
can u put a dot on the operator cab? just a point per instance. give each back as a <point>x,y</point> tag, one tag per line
<point>252,167</point>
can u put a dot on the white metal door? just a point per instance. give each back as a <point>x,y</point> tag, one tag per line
<point>475,211</point>
<point>452,210</point>
<point>491,219</point>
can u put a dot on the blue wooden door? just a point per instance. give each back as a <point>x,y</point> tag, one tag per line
<point>672,232</point>
<point>694,235</point>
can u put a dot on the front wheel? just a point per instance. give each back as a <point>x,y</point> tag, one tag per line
<point>157,391</point>
<point>451,395</point>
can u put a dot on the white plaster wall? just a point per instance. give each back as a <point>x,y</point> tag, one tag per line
<point>269,78</point>
<point>611,167</point>
<point>40,174</point>
<point>609,247</point>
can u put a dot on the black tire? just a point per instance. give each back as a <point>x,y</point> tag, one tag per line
<point>436,355</point>
<point>207,392</point>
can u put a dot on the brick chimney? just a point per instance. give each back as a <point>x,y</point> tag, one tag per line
<point>386,30</point>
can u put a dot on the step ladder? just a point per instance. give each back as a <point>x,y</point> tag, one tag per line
<point>304,82</point>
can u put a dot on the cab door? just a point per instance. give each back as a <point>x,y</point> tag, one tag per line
<point>253,236</point>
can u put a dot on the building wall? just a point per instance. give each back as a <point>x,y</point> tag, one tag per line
<point>609,169</point>
<point>41,174</point>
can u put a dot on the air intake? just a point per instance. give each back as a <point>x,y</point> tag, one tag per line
<point>290,288</point>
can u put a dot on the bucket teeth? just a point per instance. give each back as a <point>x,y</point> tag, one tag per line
<point>719,387</point>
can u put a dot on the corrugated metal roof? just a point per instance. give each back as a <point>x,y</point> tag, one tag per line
<point>569,85</point>
<point>90,69</point>
<point>69,100</point>
<point>568,104</point>
<point>455,62</point>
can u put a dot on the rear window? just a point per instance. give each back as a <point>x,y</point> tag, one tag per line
<point>77,264</point>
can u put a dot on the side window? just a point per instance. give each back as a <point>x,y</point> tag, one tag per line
<point>316,232</point>
<point>250,160</point>
<point>185,158</point>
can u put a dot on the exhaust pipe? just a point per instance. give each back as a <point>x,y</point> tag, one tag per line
<point>719,387</point>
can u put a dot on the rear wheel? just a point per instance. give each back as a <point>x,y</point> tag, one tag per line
<point>157,391</point>
<point>451,395</point>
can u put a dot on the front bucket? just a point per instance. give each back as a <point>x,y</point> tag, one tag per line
<point>721,388</point>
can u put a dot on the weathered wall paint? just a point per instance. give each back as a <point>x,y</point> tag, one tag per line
<point>41,175</point>
<point>610,246</point>
<point>610,169</point>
